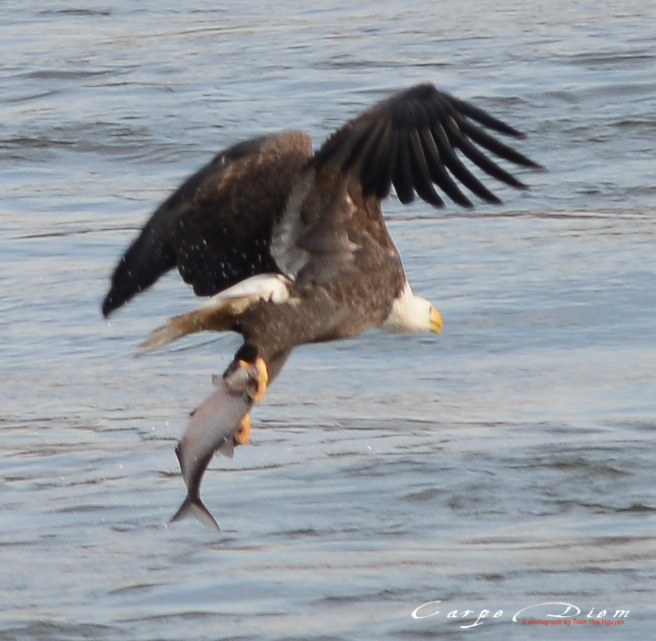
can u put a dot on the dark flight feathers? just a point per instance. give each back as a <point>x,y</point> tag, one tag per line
<point>217,227</point>
<point>411,140</point>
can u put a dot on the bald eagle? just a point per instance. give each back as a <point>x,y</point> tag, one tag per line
<point>292,248</point>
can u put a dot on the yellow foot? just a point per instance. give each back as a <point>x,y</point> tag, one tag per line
<point>258,378</point>
<point>262,378</point>
<point>243,431</point>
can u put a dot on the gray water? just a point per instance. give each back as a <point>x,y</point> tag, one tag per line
<point>507,463</point>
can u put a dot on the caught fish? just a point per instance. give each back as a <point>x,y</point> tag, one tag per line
<point>212,427</point>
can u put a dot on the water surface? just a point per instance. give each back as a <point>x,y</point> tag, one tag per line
<point>506,463</point>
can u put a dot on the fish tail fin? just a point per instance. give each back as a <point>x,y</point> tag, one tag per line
<point>195,507</point>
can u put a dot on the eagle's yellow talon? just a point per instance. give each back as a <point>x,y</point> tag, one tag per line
<point>259,377</point>
<point>262,378</point>
<point>243,431</point>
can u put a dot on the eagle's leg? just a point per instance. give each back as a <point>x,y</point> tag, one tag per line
<point>251,380</point>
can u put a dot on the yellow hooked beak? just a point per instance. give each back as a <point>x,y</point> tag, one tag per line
<point>435,321</point>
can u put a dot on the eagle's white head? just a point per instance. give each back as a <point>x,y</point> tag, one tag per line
<point>411,313</point>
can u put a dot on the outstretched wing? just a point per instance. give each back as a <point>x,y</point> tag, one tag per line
<point>216,227</point>
<point>333,226</point>
<point>412,140</point>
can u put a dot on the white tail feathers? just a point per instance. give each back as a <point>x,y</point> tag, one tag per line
<point>174,328</point>
<point>219,312</point>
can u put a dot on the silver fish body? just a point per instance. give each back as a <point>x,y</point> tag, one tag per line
<point>211,427</point>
